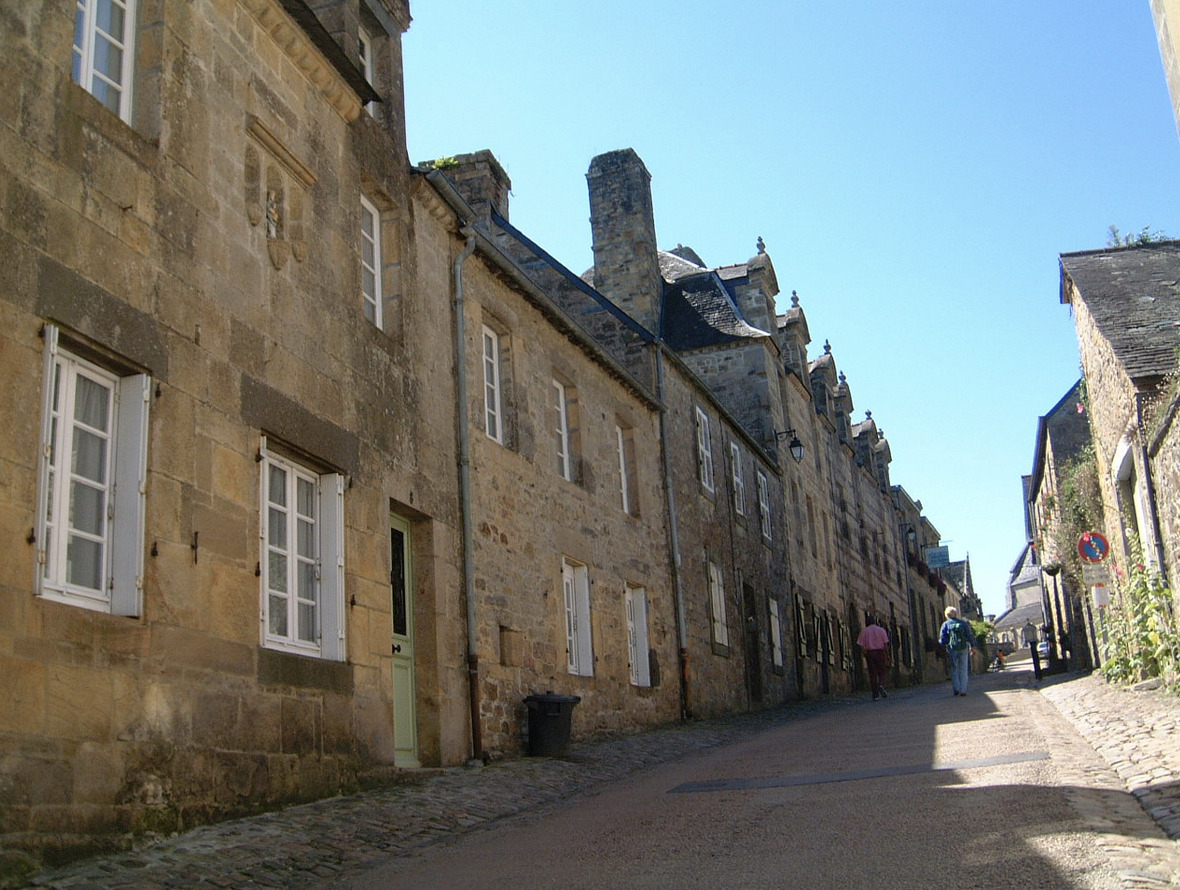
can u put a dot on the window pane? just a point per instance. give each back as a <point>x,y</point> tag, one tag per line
<point>109,18</point>
<point>92,403</point>
<point>276,527</point>
<point>278,486</point>
<point>305,497</point>
<point>108,61</point>
<point>79,42</point>
<point>90,454</point>
<point>84,563</point>
<point>307,622</point>
<point>306,542</point>
<point>277,612</point>
<point>307,581</point>
<point>87,508</point>
<point>277,573</point>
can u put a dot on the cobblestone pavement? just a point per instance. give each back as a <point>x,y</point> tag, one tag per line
<point>305,846</point>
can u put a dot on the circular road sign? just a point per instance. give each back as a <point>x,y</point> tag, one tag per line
<point>1093,547</point>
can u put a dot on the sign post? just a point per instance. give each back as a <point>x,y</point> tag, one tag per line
<point>1093,547</point>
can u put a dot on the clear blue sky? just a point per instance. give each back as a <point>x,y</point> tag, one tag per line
<point>915,169</point>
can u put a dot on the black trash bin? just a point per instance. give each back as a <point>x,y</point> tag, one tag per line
<point>549,723</point>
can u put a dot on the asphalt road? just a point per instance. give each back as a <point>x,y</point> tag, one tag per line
<point>994,790</point>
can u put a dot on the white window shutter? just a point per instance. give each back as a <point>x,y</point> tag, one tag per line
<point>332,567</point>
<point>130,478</point>
<point>49,332</point>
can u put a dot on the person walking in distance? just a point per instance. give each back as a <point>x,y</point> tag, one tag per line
<point>874,641</point>
<point>958,638</point>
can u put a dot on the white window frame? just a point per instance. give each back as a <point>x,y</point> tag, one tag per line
<point>628,485</point>
<point>371,262</point>
<point>635,603</point>
<point>764,514</point>
<point>562,429</point>
<point>493,408</point>
<point>112,88</point>
<point>366,46</point>
<point>776,634</point>
<point>579,646</point>
<point>122,485</point>
<point>279,534</point>
<point>704,450</point>
<point>720,622</point>
<point>738,475</point>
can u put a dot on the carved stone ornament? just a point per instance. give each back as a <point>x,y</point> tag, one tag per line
<point>279,252</point>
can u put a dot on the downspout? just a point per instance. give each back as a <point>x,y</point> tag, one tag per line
<point>918,671</point>
<point>464,429</point>
<point>674,540</point>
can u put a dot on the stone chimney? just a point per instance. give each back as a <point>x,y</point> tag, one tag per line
<point>479,178</point>
<point>622,223</point>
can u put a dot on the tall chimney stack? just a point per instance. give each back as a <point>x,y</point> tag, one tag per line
<point>626,260</point>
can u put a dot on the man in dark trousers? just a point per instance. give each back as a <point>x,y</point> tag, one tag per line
<point>874,641</point>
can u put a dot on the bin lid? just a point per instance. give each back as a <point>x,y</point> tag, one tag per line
<point>553,698</point>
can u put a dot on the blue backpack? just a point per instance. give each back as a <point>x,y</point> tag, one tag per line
<point>956,635</point>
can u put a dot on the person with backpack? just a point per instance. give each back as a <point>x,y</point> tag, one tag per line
<point>958,638</point>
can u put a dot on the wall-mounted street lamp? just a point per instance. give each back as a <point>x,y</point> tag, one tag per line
<point>795,445</point>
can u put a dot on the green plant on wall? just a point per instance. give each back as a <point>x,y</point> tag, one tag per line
<point>1141,637</point>
<point>1079,510</point>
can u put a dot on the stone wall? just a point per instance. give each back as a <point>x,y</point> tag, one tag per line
<point>211,244</point>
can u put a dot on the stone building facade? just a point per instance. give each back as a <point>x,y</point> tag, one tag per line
<point>223,437</point>
<point>318,467</point>
<point>1124,306</point>
<point>1067,609</point>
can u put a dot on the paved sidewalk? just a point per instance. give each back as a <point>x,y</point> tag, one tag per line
<point>305,846</point>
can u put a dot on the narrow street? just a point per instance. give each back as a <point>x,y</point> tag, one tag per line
<point>923,789</point>
<point>1019,784</point>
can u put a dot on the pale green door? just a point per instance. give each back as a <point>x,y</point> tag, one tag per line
<point>405,717</point>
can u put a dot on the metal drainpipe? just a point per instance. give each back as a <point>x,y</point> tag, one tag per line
<point>674,539</point>
<point>917,671</point>
<point>463,427</point>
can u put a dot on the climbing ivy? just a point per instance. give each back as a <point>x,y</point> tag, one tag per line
<point>1078,508</point>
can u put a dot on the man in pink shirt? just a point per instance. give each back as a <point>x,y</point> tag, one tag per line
<point>874,641</point>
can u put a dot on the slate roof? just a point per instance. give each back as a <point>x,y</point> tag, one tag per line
<point>698,311</point>
<point>679,263</point>
<point>1134,295</point>
<point>1017,618</point>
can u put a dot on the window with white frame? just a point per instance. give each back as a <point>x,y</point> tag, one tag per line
<point>717,606</point>
<point>371,261</point>
<point>764,505</point>
<point>776,634</point>
<point>91,482</point>
<point>704,450</point>
<point>635,600</point>
<point>302,565</point>
<point>493,409</point>
<point>561,426</point>
<point>366,47</point>
<point>738,474</point>
<point>575,580</point>
<point>628,481</point>
<point>104,50</point>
